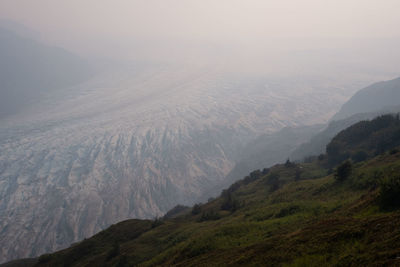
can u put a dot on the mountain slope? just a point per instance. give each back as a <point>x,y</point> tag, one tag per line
<point>270,149</point>
<point>318,142</point>
<point>298,143</point>
<point>371,99</point>
<point>293,214</point>
<point>28,69</point>
<point>365,139</point>
<point>377,99</point>
<point>312,221</point>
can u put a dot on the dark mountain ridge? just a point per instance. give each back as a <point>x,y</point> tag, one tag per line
<point>365,139</point>
<point>317,143</point>
<point>372,98</point>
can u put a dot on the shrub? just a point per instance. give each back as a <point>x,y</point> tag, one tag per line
<point>289,164</point>
<point>273,181</point>
<point>265,171</point>
<point>175,211</point>
<point>298,173</point>
<point>254,175</point>
<point>287,211</point>
<point>209,216</point>
<point>114,251</point>
<point>394,151</point>
<point>45,258</point>
<point>366,180</point>
<point>389,193</point>
<point>235,186</point>
<point>309,159</point>
<point>196,209</point>
<point>156,222</point>
<point>359,156</point>
<point>343,171</point>
<point>230,203</point>
<point>122,262</point>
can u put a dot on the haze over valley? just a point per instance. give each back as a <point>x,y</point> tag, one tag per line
<point>92,133</point>
<point>133,143</point>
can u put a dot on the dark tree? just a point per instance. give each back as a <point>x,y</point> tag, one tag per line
<point>156,222</point>
<point>273,181</point>
<point>389,194</point>
<point>359,156</point>
<point>196,209</point>
<point>230,203</point>
<point>289,164</point>
<point>344,170</point>
<point>297,176</point>
<point>114,251</point>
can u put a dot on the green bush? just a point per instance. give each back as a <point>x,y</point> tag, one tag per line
<point>113,252</point>
<point>157,222</point>
<point>230,203</point>
<point>389,193</point>
<point>359,156</point>
<point>287,211</point>
<point>343,171</point>
<point>273,181</point>
<point>45,258</point>
<point>394,151</point>
<point>298,173</point>
<point>196,209</point>
<point>122,261</point>
<point>210,216</point>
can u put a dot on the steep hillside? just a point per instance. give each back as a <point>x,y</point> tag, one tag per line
<point>365,139</point>
<point>371,99</point>
<point>298,143</point>
<point>318,142</point>
<point>269,149</point>
<point>290,214</point>
<point>28,69</point>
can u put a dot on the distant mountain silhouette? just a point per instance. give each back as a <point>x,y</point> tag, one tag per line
<point>19,29</point>
<point>373,98</point>
<point>29,69</point>
<point>318,142</point>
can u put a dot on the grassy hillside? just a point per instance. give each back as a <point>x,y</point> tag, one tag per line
<point>292,214</point>
<point>276,221</point>
<point>317,144</point>
<point>365,139</point>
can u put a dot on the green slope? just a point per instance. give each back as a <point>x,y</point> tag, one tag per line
<point>299,223</point>
<point>365,139</point>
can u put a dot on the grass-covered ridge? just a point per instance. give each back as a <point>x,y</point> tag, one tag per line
<point>293,220</point>
<point>292,214</point>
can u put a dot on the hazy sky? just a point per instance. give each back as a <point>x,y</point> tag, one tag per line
<point>113,27</point>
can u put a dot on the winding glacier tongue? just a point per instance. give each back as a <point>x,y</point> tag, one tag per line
<point>131,145</point>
